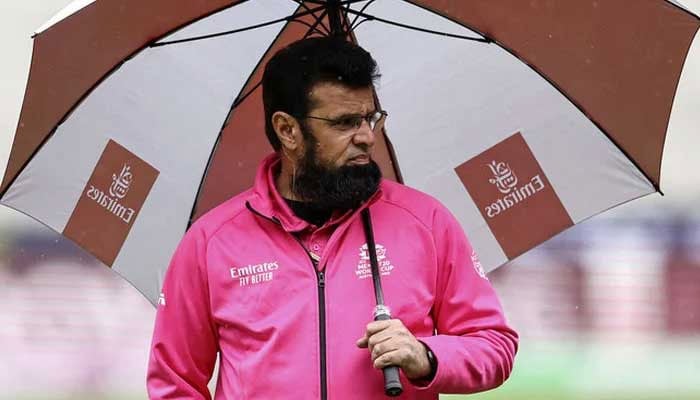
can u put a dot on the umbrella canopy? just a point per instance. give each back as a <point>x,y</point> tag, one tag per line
<point>524,118</point>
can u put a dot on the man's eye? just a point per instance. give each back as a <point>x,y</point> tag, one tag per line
<point>347,122</point>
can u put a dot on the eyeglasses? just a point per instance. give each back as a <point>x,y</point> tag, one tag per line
<point>353,122</point>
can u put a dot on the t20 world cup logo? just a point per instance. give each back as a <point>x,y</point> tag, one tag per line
<point>364,252</point>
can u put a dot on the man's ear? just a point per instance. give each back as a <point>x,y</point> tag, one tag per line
<point>287,129</point>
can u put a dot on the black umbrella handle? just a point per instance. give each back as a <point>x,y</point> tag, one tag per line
<point>392,383</point>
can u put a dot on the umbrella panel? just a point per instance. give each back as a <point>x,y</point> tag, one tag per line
<point>466,101</point>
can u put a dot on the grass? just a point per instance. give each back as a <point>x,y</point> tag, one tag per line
<point>666,370</point>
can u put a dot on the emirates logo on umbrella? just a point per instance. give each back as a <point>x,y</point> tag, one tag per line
<point>507,183</point>
<point>503,177</point>
<point>120,184</point>
<point>521,210</point>
<point>110,202</point>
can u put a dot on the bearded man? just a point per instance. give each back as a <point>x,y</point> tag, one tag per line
<point>276,280</point>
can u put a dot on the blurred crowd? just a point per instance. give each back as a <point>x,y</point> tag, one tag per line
<point>70,325</point>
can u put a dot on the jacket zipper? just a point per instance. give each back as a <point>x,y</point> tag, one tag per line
<point>322,329</point>
<point>321,279</point>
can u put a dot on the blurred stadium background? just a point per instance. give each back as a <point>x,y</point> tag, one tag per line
<point>608,310</point>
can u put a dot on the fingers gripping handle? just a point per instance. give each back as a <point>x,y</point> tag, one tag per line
<point>392,384</point>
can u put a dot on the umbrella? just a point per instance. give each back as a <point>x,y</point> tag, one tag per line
<point>524,118</point>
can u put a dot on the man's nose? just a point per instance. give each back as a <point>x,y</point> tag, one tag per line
<point>364,135</point>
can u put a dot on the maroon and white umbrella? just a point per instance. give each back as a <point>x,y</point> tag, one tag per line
<point>523,117</point>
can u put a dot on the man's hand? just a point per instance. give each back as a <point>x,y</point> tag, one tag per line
<point>391,343</point>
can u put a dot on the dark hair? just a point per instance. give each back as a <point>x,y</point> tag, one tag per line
<point>294,70</point>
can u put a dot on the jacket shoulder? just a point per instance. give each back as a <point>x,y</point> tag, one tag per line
<point>422,206</point>
<point>229,210</point>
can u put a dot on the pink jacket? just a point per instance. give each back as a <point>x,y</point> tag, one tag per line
<point>242,284</point>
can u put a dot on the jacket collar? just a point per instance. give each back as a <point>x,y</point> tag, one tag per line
<point>270,204</point>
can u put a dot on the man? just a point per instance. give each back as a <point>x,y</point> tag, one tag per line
<point>277,280</point>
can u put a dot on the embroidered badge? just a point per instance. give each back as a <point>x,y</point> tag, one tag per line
<point>364,268</point>
<point>255,273</point>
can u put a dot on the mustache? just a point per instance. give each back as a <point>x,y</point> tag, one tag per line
<point>367,155</point>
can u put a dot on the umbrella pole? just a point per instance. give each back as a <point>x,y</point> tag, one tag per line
<point>392,384</point>
<point>333,7</point>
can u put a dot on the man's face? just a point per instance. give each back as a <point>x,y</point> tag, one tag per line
<point>336,169</point>
<point>336,144</point>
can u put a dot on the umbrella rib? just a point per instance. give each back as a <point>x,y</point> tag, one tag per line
<point>352,25</point>
<point>359,23</point>
<point>99,81</point>
<point>247,28</point>
<point>313,28</point>
<point>347,26</point>
<point>655,185</point>
<point>344,4</point>
<point>416,28</point>
<point>340,3</point>
<point>319,18</point>
<point>239,100</point>
<point>682,8</point>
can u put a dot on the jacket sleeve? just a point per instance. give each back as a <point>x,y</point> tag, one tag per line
<point>184,345</point>
<point>474,346</point>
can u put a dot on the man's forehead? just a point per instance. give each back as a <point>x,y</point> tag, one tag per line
<point>333,95</point>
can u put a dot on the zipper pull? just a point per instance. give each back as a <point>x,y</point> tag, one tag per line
<point>321,280</point>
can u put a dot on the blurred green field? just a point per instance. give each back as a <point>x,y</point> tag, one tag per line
<point>586,370</point>
<point>664,370</point>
